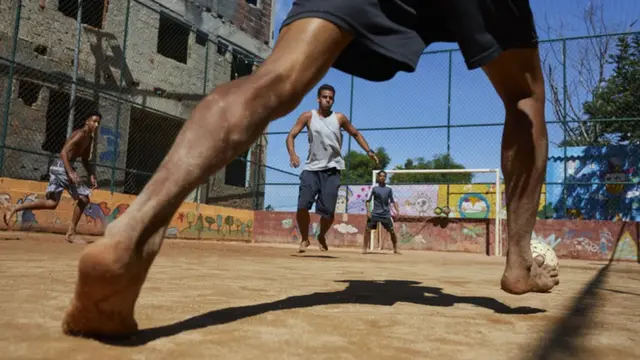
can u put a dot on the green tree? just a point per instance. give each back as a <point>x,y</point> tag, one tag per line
<point>210,221</point>
<point>229,222</point>
<point>361,166</point>
<point>441,161</point>
<point>619,97</point>
<point>219,222</point>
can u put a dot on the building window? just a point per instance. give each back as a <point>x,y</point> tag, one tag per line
<point>147,130</point>
<point>57,117</point>
<point>29,92</point>
<point>92,11</point>
<point>240,66</point>
<point>235,173</point>
<point>201,37</point>
<point>173,39</point>
<point>255,3</point>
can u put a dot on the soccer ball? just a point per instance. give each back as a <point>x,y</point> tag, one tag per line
<point>538,248</point>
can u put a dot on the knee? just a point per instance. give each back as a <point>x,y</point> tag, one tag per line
<point>51,204</point>
<point>278,90</point>
<point>83,200</point>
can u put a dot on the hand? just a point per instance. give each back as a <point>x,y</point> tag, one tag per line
<point>373,157</point>
<point>294,161</point>
<point>94,182</point>
<point>74,178</point>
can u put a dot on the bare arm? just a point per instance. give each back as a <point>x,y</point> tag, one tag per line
<point>295,130</point>
<point>351,130</point>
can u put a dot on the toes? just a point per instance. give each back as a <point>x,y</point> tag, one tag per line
<point>539,260</point>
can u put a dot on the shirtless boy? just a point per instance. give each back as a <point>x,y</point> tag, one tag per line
<point>62,176</point>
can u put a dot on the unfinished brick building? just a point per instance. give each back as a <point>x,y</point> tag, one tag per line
<point>144,65</point>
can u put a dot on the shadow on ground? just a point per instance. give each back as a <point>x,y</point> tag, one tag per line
<point>565,339</point>
<point>382,293</point>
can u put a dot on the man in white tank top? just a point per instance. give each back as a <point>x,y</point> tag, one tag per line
<point>320,178</point>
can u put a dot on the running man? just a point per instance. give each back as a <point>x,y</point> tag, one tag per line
<point>320,179</point>
<point>382,196</point>
<point>370,39</point>
<point>63,176</point>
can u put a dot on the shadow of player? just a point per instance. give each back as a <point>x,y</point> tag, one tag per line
<point>383,293</point>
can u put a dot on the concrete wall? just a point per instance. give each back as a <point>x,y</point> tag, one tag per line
<point>102,63</point>
<point>571,239</point>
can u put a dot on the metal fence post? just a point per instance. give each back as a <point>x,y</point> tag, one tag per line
<point>348,163</point>
<point>123,64</point>
<point>449,117</point>
<point>7,96</point>
<point>564,129</point>
<point>76,59</point>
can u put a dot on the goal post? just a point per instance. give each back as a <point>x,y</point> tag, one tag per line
<point>496,204</point>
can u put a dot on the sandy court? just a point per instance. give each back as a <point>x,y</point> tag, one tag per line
<point>206,300</point>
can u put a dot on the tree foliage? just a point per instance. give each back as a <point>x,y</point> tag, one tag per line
<point>440,161</point>
<point>360,166</point>
<point>619,97</point>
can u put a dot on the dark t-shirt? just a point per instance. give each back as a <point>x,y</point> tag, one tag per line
<point>382,197</point>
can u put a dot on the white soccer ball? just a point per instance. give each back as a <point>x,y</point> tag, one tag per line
<point>539,248</point>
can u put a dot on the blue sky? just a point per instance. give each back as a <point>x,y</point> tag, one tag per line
<point>420,99</point>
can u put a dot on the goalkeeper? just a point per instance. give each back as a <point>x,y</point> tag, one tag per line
<point>382,196</point>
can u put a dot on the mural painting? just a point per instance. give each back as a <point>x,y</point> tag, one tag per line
<point>471,201</point>
<point>589,167</point>
<point>281,227</point>
<point>192,221</point>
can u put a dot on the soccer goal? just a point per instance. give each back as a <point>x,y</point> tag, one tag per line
<point>454,193</point>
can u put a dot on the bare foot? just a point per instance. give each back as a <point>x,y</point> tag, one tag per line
<point>109,282</point>
<point>520,279</point>
<point>396,252</point>
<point>71,238</point>
<point>304,244</point>
<point>323,243</point>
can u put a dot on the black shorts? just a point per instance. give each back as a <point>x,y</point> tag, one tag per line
<point>320,187</point>
<point>390,35</point>
<point>386,222</point>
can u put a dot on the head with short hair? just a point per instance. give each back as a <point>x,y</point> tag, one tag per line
<point>93,120</point>
<point>381,177</point>
<point>326,95</point>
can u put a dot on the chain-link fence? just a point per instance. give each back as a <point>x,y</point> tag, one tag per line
<point>145,65</point>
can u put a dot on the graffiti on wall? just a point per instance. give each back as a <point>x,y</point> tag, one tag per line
<point>590,167</point>
<point>471,201</point>
<point>110,151</point>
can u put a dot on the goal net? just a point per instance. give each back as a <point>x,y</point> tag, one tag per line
<point>453,193</point>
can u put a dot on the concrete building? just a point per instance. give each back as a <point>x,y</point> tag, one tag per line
<point>143,64</point>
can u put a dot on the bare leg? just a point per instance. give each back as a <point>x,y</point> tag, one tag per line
<point>303,220</point>
<point>367,240</point>
<point>112,270</point>
<point>394,242</point>
<point>517,77</point>
<point>325,225</point>
<point>81,204</point>
<point>50,202</point>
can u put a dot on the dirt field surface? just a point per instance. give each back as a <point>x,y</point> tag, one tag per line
<point>206,300</point>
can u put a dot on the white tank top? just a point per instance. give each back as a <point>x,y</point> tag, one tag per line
<point>325,143</point>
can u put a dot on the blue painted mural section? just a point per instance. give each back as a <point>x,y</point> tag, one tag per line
<point>591,166</point>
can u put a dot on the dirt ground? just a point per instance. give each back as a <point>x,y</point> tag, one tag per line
<point>206,300</point>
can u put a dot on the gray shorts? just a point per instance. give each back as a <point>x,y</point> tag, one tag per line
<point>320,187</point>
<point>59,181</point>
<point>390,35</point>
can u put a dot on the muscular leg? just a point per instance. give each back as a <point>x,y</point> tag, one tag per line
<point>517,77</point>
<point>303,220</point>
<point>81,204</point>
<point>50,202</point>
<point>394,242</point>
<point>325,225</point>
<point>112,270</point>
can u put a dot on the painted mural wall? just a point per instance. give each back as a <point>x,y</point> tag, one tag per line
<point>191,221</point>
<point>471,201</point>
<point>590,199</point>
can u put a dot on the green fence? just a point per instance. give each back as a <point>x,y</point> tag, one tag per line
<point>144,67</point>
